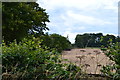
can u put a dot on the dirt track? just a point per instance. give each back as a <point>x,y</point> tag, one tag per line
<point>91,59</point>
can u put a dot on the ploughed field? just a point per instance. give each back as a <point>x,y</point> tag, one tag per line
<point>90,60</point>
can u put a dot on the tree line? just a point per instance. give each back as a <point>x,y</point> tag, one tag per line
<point>94,40</point>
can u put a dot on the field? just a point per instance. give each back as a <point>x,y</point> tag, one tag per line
<point>90,60</point>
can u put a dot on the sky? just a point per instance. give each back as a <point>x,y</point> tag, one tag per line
<point>72,17</point>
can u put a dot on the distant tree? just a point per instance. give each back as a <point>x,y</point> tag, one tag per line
<point>55,41</point>
<point>98,39</point>
<point>85,40</point>
<point>46,40</point>
<point>107,38</point>
<point>59,42</point>
<point>22,18</point>
<point>118,39</point>
<point>79,41</point>
<point>94,40</point>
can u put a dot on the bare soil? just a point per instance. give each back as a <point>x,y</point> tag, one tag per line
<point>90,60</point>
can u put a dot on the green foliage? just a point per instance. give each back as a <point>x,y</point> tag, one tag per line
<point>113,52</point>
<point>56,41</point>
<point>88,40</point>
<point>94,40</point>
<point>21,18</point>
<point>105,39</point>
<point>27,60</point>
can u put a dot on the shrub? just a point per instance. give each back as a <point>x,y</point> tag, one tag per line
<point>27,60</point>
<point>113,52</point>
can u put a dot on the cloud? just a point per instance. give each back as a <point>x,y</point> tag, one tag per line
<point>86,19</point>
<point>71,17</point>
<point>81,4</point>
<point>70,35</point>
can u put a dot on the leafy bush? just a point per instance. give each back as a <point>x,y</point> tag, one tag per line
<point>27,59</point>
<point>113,52</point>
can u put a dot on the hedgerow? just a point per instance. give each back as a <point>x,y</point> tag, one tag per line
<point>28,60</point>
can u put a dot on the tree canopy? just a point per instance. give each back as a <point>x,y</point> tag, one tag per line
<point>94,40</point>
<point>56,41</point>
<point>22,18</point>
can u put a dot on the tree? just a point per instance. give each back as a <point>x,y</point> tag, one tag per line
<point>55,41</point>
<point>22,18</point>
<point>94,40</point>
<point>98,39</point>
<point>59,42</point>
<point>105,40</point>
<point>118,39</point>
<point>79,41</point>
<point>85,40</point>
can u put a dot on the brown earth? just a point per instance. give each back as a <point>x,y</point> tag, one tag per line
<point>90,60</point>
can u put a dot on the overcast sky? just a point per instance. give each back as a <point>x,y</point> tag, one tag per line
<point>71,17</point>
